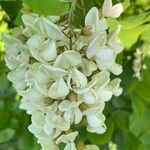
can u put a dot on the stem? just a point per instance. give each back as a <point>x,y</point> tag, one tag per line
<point>71,19</point>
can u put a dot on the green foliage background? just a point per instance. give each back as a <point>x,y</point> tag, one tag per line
<point>128,116</point>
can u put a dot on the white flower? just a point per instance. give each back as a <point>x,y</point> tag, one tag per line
<point>49,81</point>
<point>105,56</point>
<point>78,79</point>
<point>88,67</point>
<point>111,11</point>
<point>68,140</point>
<point>96,43</point>
<point>47,28</point>
<point>99,81</point>
<point>31,74</point>
<point>93,20</point>
<point>60,86</point>
<point>29,19</point>
<point>54,120</point>
<point>71,111</point>
<point>32,101</point>
<point>95,119</point>
<point>10,40</point>
<point>68,59</point>
<point>42,50</point>
<point>38,120</point>
<point>46,144</point>
<point>114,87</point>
<point>78,82</point>
<point>59,89</point>
<point>113,41</point>
<point>16,53</point>
<point>17,77</point>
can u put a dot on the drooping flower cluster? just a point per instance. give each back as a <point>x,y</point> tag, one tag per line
<point>61,86</point>
<point>137,64</point>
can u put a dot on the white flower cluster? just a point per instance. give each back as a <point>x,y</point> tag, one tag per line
<point>137,64</point>
<point>61,86</point>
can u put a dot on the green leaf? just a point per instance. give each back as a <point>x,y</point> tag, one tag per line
<point>112,23</point>
<point>47,7</point>
<point>125,141</point>
<point>134,21</point>
<point>102,138</point>
<point>6,135</point>
<point>144,147</point>
<point>12,8</point>
<point>4,117</point>
<point>27,142</point>
<point>120,102</point>
<point>140,125</point>
<point>145,138</point>
<point>121,119</point>
<point>3,83</point>
<point>126,4</point>
<point>138,105</point>
<point>130,37</point>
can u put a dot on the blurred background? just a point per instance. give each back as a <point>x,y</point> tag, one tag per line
<point>127,116</point>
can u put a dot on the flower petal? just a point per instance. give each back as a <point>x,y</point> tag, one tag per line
<point>104,54</point>
<point>47,28</point>
<point>65,105</point>
<point>89,97</point>
<point>92,18</point>
<point>68,60</point>
<point>111,11</point>
<point>78,78</point>
<point>50,52</point>
<point>59,89</point>
<point>104,95</point>
<point>29,19</point>
<point>91,147</point>
<point>93,121</point>
<point>78,116</point>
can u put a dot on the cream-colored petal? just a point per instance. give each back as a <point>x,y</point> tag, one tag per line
<point>89,97</point>
<point>104,54</point>
<point>111,11</point>
<point>68,60</point>
<point>102,24</point>
<point>116,69</point>
<point>92,48</point>
<point>105,65</point>
<point>101,79</point>
<point>58,90</point>
<point>91,147</point>
<point>50,52</point>
<point>29,19</point>
<point>104,95</point>
<point>53,72</point>
<point>65,105</point>
<point>78,78</point>
<point>116,10</point>
<point>78,115</point>
<point>47,28</point>
<point>10,40</point>
<point>35,41</point>
<point>92,18</point>
<point>88,67</point>
<point>114,42</point>
<point>69,116</point>
<point>94,121</point>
